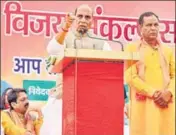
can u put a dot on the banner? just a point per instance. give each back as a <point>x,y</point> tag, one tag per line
<point>27,27</point>
<point>37,89</point>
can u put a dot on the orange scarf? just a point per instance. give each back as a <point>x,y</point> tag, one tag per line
<point>18,119</point>
<point>141,66</point>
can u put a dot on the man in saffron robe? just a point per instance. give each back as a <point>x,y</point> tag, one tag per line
<point>151,81</point>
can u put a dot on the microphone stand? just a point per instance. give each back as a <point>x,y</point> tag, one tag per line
<point>122,47</point>
<point>76,72</point>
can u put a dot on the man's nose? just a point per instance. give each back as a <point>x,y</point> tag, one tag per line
<point>153,27</point>
<point>27,101</point>
<point>83,19</point>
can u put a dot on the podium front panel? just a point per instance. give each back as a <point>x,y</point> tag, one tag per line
<point>93,99</point>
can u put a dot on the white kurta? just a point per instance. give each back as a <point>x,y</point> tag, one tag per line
<point>54,48</point>
<point>53,109</point>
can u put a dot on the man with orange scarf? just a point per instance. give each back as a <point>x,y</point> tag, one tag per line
<point>151,81</point>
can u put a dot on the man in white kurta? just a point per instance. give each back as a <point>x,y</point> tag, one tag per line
<point>78,38</point>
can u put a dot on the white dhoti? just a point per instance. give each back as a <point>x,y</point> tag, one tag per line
<point>52,112</point>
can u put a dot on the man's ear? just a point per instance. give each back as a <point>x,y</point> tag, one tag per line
<point>75,11</point>
<point>13,104</point>
<point>91,24</point>
<point>140,29</point>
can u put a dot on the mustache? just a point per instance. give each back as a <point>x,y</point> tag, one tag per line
<point>83,31</point>
<point>26,105</point>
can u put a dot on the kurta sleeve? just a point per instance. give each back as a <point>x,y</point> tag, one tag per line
<point>131,75</point>
<point>171,86</point>
<point>54,48</point>
<point>37,125</point>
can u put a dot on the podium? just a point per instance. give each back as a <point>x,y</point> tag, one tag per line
<point>93,91</point>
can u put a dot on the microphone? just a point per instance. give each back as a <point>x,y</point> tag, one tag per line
<point>82,32</point>
<point>122,47</point>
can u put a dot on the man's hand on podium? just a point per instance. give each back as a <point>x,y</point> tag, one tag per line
<point>56,92</point>
<point>50,61</point>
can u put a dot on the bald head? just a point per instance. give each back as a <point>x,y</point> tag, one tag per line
<point>84,7</point>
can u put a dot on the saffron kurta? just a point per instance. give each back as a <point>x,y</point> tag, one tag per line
<point>146,118</point>
<point>11,129</point>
